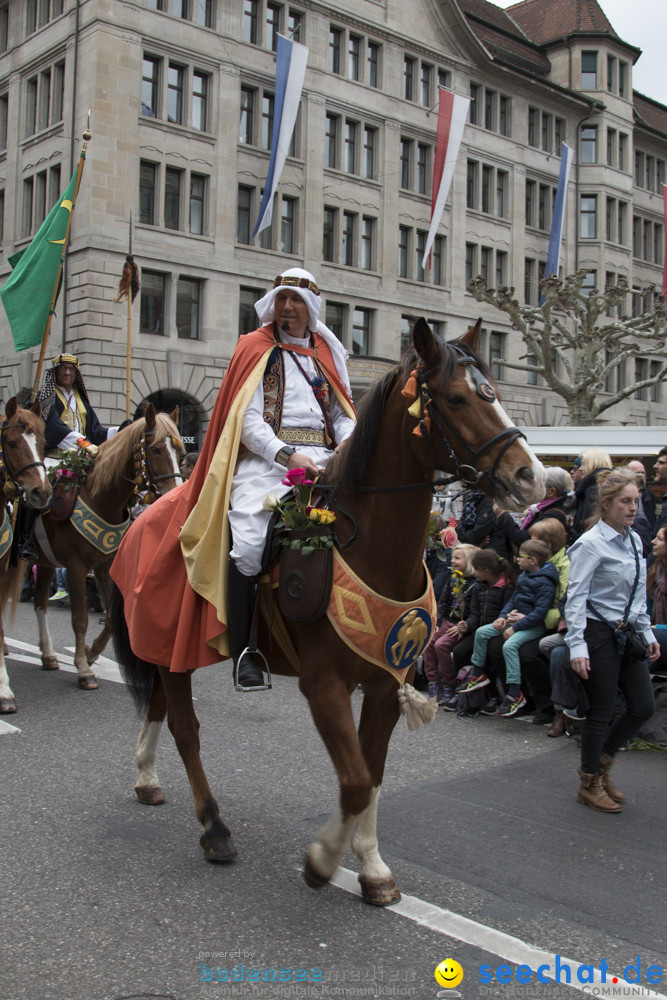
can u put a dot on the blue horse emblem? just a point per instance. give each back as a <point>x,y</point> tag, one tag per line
<point>407,638</point>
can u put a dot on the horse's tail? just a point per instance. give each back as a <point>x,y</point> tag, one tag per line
<point>138,674</point>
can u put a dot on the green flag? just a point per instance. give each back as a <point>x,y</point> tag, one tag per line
<point>28,291</point>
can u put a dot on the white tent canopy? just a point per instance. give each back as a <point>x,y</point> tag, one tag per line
<point>632,442</point>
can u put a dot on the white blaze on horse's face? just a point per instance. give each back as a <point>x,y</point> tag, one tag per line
<point>171,448</point>
<point>30,439</point>
<point>527,486</point>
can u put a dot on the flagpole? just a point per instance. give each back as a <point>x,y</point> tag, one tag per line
<point>128,364</point>
<point>87,136</point>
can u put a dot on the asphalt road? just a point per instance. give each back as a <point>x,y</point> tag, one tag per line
<point>106,899</point>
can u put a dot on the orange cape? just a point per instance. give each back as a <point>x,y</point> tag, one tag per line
<point>171,567</point>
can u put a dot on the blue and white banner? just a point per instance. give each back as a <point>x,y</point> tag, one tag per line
<point>556,235</point>
<point>291,60</point>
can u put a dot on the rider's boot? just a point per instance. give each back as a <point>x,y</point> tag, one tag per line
<point>241,596</point>
<point>27,545</point>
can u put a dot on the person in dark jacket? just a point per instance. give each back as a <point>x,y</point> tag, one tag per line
<point>557,493</point>
<point>645,520</point>
<point>70,422</point>
<point>520,620</point>
<point>593,461</point>
<point>478,525</point>
<point>660,480</point>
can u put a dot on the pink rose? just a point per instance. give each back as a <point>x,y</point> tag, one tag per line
<point>296,477</point>
<point>449,538</point>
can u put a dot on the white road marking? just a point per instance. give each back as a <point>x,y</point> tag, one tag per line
<point>508,948</point>
<point>446,922</point>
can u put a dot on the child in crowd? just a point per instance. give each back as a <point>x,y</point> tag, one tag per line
<point>521,619</point>
<point>495,578</point>
<point>453,608</point>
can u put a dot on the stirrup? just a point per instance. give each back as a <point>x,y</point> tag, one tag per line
<point>254,687</point>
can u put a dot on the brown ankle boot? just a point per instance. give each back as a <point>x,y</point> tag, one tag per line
<point>606,760</point>
<point>557,727</point>
<point>592,793</point>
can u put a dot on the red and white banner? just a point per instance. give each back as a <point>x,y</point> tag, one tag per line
<point>452,114</point>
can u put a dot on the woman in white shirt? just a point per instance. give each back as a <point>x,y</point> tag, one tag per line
<point>608,584</point>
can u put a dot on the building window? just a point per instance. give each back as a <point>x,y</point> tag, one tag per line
<point>267,120</point>
<point>4,36</point>
<point>294,25</point>
<point>247,125</point>
<point>244,207</point>
<point>370,152</point>
<point>4,121</point>
<point>472,182</point>
<point>175,79</point>
<point>40,193</point>
<point>589,144</point>
<point>349,238</point>
<point>588,208</point>
<point>288,223</point>
<point>531,201</point>
<point>153,298</point>
<point>589,70</point>
<point>405,164</point>
<point>409,71</point>
<point>501,268</point>
<point>247,314</point>
<point>198,183</point>
<point>486,265</point>
<point>329,234</point>
<point>502,187</point>
<point>471,262</point>
<point>373,65</point>
<point>533,126</point>
<point>335,317</point>
<point>426,85</point>
<point>559,135</point>
<point>496,351</point>
<point>544,207</point>
<point>331,141</point>
<point>474,106</point>
<point>639,168</point>
<point>368,242</point>
<point>487,189</point>
<point>148,175</point>
<point>403,251</point>
<point>361,331</point>
<point>438,261</point>
<point>40,12</point>
<point>610,229</point>
<point>612,144</point>
<point>272,26</point>
<point>622,151</point>
<point>354,44</point>
<point>44,98</point>
<point>423,167</point>
<point>251,21</point>
<point>150,87</point>
<point>172,198</point>
<point>611,74</point>
<point>188,295</point>
<point>420,246</point>
<point>199,100</point>
<point>623,74</point>
<point>529,282</point>
<point>505,115</point>
<point>351,141</point>
<point>490,109</point>
<point>335,47</point>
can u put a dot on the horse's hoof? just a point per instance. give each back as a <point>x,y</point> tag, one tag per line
<point>150,796</point>
<point>88,682</point>
<point>382,893</point>
<point>7,706</point>
<point>220,850</point>
<point>313,877</point>
<point>50,663</point>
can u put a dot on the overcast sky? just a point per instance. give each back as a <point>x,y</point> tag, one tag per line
<point>642,23</point>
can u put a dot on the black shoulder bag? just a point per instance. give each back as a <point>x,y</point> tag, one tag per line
<point>629,642</point>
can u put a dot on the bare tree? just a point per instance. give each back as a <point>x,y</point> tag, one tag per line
<point>570,332</point>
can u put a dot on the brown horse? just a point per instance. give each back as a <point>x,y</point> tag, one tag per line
<point>22,474</point>
<point>144,456</point>
<point>380,486</point>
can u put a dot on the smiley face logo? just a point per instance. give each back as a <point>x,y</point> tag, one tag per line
<point>449,973</point>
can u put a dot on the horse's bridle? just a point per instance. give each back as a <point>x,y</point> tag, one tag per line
<point>11,476</point>
<point>145,482</point>
<point>466,473</point>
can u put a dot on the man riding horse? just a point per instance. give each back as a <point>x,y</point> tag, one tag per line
<point>284,403</point>
<point>70,420</point>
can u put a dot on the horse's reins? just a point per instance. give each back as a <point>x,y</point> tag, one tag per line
<point>11,477</point>
<point>466,473</point>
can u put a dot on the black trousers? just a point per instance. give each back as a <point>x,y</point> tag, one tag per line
<point>610,671</point>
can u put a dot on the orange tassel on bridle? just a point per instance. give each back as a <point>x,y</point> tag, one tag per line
<point>129,280</point>
<point>409,390</point>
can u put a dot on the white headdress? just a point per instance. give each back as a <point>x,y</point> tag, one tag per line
<point>304,284</point>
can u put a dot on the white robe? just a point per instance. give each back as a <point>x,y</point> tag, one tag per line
<point>258,474</point>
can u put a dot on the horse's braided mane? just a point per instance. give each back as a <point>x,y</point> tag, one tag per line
<point>346,470</point>
<point>114,453</point>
